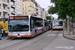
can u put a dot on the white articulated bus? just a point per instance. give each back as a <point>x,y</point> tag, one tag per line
<point>57,24</point>
<point>24,26</point>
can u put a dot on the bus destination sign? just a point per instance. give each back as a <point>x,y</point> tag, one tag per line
<point>20,17</point>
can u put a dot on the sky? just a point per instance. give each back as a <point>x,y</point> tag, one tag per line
<point>44,4</point>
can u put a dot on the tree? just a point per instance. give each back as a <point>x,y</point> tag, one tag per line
<point>66,7</point>
<point>52,9</point>
<point>48,17</point>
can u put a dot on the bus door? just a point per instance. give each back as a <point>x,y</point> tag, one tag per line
<point>39,27</point>
<point>32,27</point>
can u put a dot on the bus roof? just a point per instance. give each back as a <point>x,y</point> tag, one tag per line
<point>25,15</point>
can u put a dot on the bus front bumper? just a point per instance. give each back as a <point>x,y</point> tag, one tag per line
<point>19,36</point>
<point>57,28</point>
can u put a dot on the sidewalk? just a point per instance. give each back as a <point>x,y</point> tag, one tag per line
<point>66,35</point>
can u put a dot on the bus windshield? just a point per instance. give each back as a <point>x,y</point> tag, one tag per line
<point>58,23</point>
<point>18,25</point>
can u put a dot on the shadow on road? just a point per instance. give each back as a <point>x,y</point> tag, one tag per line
<point>58,30</point>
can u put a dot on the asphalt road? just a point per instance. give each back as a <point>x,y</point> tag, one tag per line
<point>44,41</point>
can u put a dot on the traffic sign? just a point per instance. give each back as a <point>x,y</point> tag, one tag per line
<point>67,17</point>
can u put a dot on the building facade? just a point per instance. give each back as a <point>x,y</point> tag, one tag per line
<point>29,0</point>
<point>19,7</point>
<point>38,9</point>
<point>31,7</point>
<point>28,7</point>
<point>9,7</point>
<point>40,12</point>
<point>4,8</point>
<point>44,13</point>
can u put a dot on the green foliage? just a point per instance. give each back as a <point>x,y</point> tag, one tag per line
<point>66,7</point>
<point>52,9</point>
<point>63,7</point>
<point>48,17</point>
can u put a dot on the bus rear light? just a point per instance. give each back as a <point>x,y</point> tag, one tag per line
<point>11,18</point>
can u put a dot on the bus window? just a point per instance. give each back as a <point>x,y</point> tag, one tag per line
<point>18,25</point>
<point>38,24</point>
<point>61,23</point>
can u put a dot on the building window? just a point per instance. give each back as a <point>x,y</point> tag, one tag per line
<point>12,3</point>
<point>28,4</point>
<point>3,14</point>
<point>8,8</point>
<point>28,9</point>
<point>8,15</point>
<point>37,13</point>
<point>8,1</point>
<point>12,10</point>
<point>3,7</point>
<point>0,13</point>
<point>3,0</point>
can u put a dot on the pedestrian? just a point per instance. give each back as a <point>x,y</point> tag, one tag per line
<point>1,28</point>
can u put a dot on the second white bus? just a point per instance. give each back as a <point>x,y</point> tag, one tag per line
<point>57,24</point>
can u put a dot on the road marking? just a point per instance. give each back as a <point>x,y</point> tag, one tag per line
<point>55,31</point>
<point>59,34</point>
<point>51,35</point>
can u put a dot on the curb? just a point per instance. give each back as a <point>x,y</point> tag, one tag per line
<point>67,37</point>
